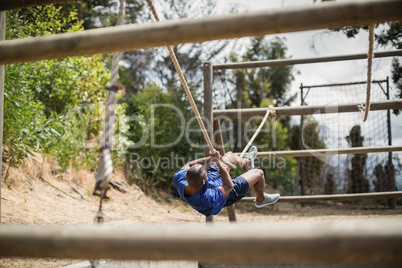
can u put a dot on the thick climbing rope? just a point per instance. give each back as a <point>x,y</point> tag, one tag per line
<point>186,88</point>
<point>184,83</point>
<point>370,56</point>
<point>270,111</point>
<point>105,167</point>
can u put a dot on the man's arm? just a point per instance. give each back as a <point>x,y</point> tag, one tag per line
<point>203,161</point>
<point>227,186</point>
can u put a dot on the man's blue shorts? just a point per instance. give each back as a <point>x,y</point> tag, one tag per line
<point>240,190</point>
<point>240,187</point>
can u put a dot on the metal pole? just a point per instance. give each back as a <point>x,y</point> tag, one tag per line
<point>286,62</point>
<point>345,84</point>
<point>130,37</point>
<point>393,183</point>
<point>208,78</point>
<point>301,160</point>
<point>2,37</point>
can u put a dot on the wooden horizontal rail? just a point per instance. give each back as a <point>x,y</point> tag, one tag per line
<point>286,62</point>
<point>342,242</point>
<point>15,4</point>
<point>306,110</point>
<point>129,37</point>
<point>325,152</point>
<point>332,197</point>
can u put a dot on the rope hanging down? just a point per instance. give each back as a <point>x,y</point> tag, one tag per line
<point>184,83</point>
<point>105,166</point>
<point>364,111</point>
<point>186,88</point>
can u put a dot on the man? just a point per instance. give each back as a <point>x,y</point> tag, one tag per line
<point>208,190</point>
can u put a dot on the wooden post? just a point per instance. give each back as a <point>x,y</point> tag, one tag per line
<point>220,147</point>
<point>2,37</point>
<point>207,70</point>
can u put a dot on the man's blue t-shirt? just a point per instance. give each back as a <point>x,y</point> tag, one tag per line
<point>209,200</point>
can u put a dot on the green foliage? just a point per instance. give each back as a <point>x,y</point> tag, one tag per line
<point>103,13</point>
<point>42,97</point>
<point>40,21</point>
<point>160,143</point>
<point>23,117</point>
<point>314,164</point>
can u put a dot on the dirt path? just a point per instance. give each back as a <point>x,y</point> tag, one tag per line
<point>29,197</point>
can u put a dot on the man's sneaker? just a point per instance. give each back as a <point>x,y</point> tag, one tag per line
<point>252,154</point>
<point>269,199</point>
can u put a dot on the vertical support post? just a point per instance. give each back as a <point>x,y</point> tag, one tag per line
<point>300,166</point>
<point>217,134</point>
<point>392,188</point>
<point>2,37</point>
<point>208,78</point>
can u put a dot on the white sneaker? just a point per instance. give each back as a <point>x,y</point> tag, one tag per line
<point>269,199</point>
<point>252,154</point>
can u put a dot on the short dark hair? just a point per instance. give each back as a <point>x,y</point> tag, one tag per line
<point>195,175</point>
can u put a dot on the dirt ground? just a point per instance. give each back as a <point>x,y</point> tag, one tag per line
<point>38,194</point>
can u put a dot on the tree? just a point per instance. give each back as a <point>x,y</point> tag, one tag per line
<point>145,67</point>
<point>48,103</point>
<point>310,167</point>
<point>357,182</point>
<point>158,128</point>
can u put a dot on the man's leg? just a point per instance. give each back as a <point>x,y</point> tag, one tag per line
<point>236,160</point>
<point>256,180</point>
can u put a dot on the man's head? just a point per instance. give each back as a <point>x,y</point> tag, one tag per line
<point>196,175</point>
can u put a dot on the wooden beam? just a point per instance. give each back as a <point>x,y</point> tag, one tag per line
<point>286,62</point>
<point>208,77</point>
<point>332,197</point>
<point>2,37</point>
<point>15,4</point>
<point>332,242</point>
<point>325,152</point>
<point>306,110</point>
<point>219,145</point>
<point>129,37</point>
